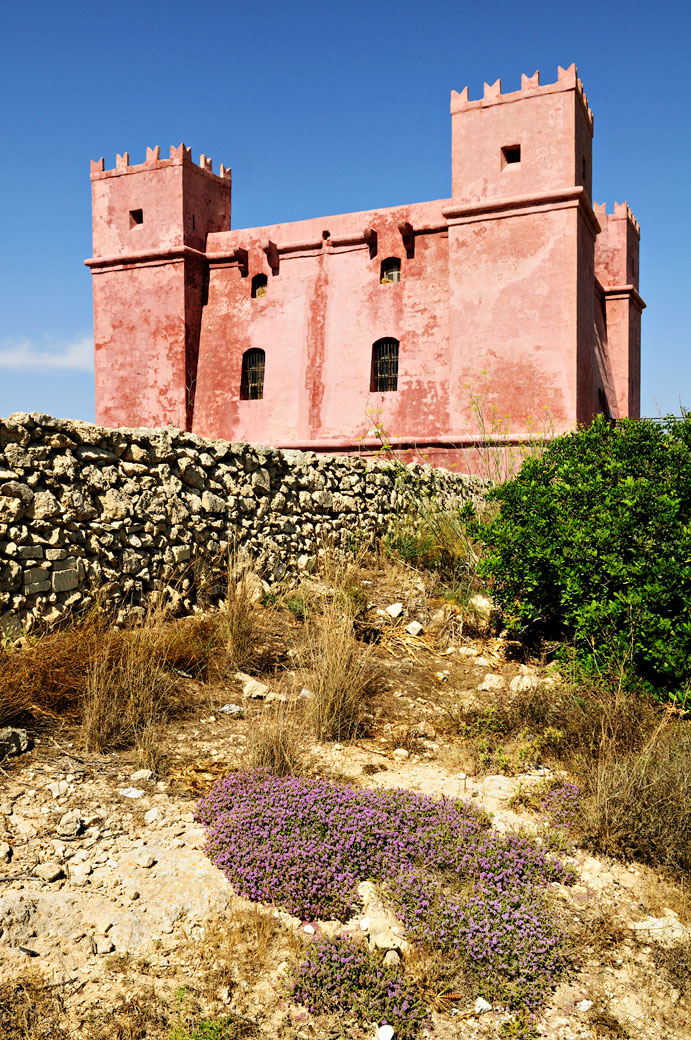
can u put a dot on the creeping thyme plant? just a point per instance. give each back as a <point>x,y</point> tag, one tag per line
<point>342,975</point>
<point>457,885</point>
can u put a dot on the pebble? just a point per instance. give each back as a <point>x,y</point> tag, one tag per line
<point>395,610</point>
<point>414,628</point>
<point>132,792</point>
<point>5,852</point>
<point>79,873</point>
<point>141,775</point>
<point>524,683</point>
<point>254,690</point>
<point>481,1006</point>
<point>385,1033</point>
<point>144,859</point>
<point>48,871</point>
<point>308,929</point>
<point>392,958</point>
<point>401,754</point>
<point>584,1005</point>
<point>233,709</point>
<point>492,682</point>
<point>71,824</point>
<point>58,787</point>
<point>153,815</point>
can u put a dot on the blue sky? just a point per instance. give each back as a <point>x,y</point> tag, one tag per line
<point>318,108</point>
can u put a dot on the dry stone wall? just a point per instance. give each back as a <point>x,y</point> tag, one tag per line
<point>137,511</point>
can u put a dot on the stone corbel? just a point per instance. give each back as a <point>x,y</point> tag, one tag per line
<point>408,236</point>
<point>242,257</point>
<point>370,237</point>
<point>271,251</point>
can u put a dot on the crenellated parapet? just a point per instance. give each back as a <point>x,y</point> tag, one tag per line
<point>621,211</point>
<point>567,79</point>
<point>178,156</point>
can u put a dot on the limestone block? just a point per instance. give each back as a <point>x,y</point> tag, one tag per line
<point>65,581</point>
<point>15,489</point>
<point>10,576</point>
<point>212,503</point>
<point>10,626</point>
<point>11,509</point>
<point>44,506</point>
<point>115,506</point>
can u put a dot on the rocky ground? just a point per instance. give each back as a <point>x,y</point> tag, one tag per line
<point>107,898</point>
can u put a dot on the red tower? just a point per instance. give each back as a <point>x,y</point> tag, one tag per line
<point>150,224</point>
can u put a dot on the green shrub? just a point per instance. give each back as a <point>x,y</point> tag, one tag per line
<point>592,541</point>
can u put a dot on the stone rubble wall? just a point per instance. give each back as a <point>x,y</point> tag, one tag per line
<point>133,512</point>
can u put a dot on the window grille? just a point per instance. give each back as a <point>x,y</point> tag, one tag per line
<point>390,270</point>
<point>252,382</point>
<point>385,365</point>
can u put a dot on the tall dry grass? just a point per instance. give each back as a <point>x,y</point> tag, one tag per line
<point>637,805</point>
<point>341,673</point>
<point>277,742</point>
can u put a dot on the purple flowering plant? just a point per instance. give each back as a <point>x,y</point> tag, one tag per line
<point>342,975</point>
<point>456,884</point>
<point>561,806</point>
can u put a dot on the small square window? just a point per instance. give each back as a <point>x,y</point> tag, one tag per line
<point>136,217</point>
<point>511,153</point>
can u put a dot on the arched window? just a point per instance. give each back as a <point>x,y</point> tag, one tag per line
<point>390,270</point>
<point>259,285</point>
<point>384,365</point>
<point>252,381</point>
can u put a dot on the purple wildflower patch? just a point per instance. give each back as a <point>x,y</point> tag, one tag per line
<point>561,805</point>
<point>455,883</point>
<point>342,975</point>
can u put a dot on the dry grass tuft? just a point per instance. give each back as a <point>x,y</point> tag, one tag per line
<point>239,621</point>
<point>32,1009</point>
<point>239,947</point>
<point>437,978</point>
<point>47,677</point>
<point>342,673</point>
<point>277,742</point>
<point>128,693</point>
<point>675,961</point>
<point>572,724</point>
<point>638,805</point>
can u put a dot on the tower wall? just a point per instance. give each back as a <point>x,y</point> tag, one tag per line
<point>521,241</point>
<point>617,272</point>
<point>150,225</point>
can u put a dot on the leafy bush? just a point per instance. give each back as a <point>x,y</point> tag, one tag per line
<point>342,975</point>
<point>593,541</point>
<point>304,845</point>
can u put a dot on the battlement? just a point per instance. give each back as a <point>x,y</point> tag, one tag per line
<point>567,79</point>
<point>178,157</point>
<point>621,211</point>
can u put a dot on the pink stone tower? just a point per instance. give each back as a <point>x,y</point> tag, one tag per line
<point>306,334</point>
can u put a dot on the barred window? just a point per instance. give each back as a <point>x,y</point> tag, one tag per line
<point>390,270</point>
<point>384,365</point>
<point>259,285</point>
<point>252,382</point>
